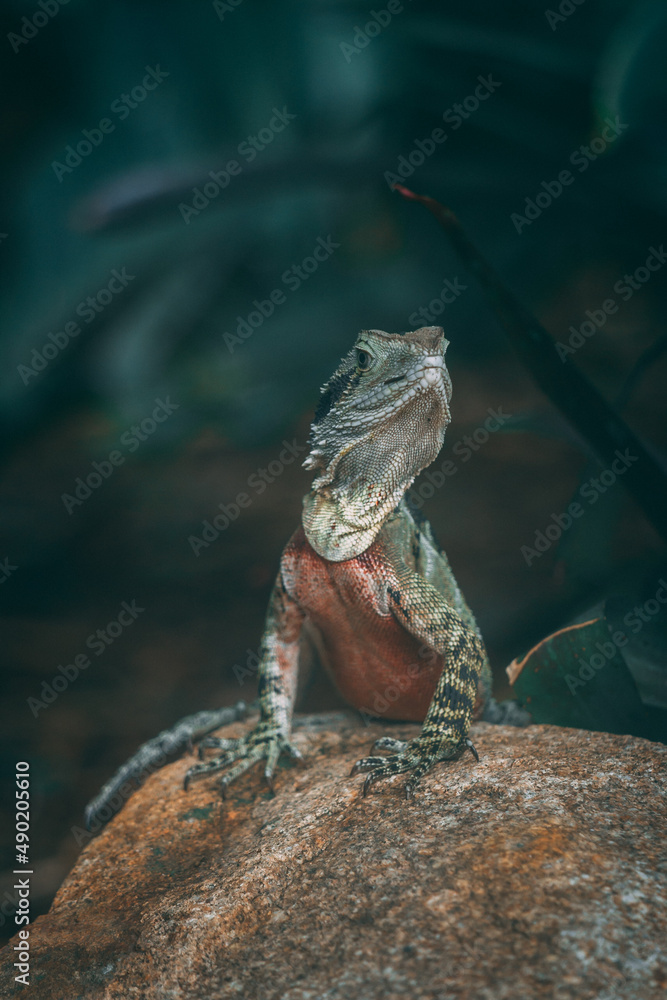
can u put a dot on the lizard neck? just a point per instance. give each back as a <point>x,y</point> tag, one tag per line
<point>340,527</point>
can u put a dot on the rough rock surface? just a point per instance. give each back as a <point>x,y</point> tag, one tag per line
<point>539,872</point>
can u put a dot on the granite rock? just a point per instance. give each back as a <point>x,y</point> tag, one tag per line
<point>538,872</point>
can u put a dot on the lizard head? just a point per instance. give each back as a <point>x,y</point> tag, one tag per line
<point>381,420</point>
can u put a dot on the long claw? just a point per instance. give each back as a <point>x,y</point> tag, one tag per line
<point>417,756</point>
<point>264,743</point>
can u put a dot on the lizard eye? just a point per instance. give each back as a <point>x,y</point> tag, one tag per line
<point>363,360</point>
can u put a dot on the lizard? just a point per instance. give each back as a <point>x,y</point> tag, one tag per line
<point>362,582</point>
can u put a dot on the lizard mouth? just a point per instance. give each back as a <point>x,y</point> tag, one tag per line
<point>427,370</point>
<point>429,373</point>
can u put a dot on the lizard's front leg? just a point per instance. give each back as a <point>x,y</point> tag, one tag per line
<point>278,669</point>
<point>423,611</point>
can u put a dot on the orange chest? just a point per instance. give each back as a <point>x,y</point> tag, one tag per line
<point>377,665</point>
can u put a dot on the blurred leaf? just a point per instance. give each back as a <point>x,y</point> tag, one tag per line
<point>642,614</point>
<point>577,677</point>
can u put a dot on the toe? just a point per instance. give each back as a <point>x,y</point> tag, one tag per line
<point>388,743</point>
<point>271,761</point>
<point>210,766</point>
<point>367,764</point>
<point>370,780</point>
<point>410,787</point>
<point>215,743</point>
<point>239,768</point>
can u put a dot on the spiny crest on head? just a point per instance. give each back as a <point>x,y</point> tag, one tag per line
<point>342,379</point>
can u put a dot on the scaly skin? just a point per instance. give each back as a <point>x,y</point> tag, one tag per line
<point>370,585</point>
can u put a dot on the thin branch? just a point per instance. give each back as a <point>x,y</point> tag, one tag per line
<point>570,391</point>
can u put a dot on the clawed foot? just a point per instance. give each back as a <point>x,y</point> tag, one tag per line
<point>418,755</point>
<point>264,742</point>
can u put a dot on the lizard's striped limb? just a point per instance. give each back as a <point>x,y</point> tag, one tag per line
<point>423,611</point>
<point>278,668</point>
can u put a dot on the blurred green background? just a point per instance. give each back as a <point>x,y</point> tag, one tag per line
<point>114,117</point>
